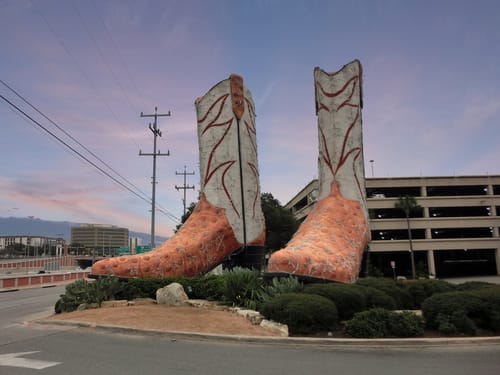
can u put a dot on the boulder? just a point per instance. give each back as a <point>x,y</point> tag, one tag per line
<point>252,316</point>
<point>171,295</point>
<point>281,329</point>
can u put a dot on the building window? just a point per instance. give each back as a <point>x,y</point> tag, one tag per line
<point>459,211</point>
<point>462,232</point>
<point>392,192</point>
<point>442,191</point>
<point>397,234</point>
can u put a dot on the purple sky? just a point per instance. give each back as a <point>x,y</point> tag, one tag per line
<point>431,93</point>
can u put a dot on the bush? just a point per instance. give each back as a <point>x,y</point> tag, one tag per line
<point>349,299</point>
<point>490,295</point>
<point>422,289</point>
<point>395,290</point>
<point>142,287</point>
<point>242,287</point>
<point>407,324</point>
<point>277,287</point>
<point>303,313</point>
<point>203,287</point>
<point>84,292</point>
<point>454,312</point>
<point>377,298</point>
<point>454,323</point>
<point>473,285</point>
<point>380,323</point>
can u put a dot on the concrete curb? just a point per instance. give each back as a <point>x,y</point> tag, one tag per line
<point>297,341</point>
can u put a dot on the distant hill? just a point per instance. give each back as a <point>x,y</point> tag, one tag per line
<point>17,226</point>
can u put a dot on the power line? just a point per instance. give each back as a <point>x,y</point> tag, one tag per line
<point>70,136</point>
<point>120,56</point>
<point>79,154</point>
<point>80,68</point>
<point>101,54</point>
<point>71,148</point>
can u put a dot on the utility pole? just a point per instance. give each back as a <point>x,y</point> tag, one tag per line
<point>156,132</point>
<point>184,187</point>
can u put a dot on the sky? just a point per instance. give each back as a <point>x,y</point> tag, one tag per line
<point>431,86</point>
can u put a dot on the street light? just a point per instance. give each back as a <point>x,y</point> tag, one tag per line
<point>371,162</point>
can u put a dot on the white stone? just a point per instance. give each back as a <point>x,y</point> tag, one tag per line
<point>252,316</point>
<point>282,329</point>
<point>171,295</point>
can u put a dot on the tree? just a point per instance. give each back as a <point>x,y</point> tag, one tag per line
<point>280,222</point>
<point>408,204</point>
<point>184,217</point>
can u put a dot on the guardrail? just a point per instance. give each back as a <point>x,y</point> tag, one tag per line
<point>25,281</point>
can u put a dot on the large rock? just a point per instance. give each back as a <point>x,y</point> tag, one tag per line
<point>171,295</point>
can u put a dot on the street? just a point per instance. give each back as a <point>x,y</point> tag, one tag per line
<point>83,351</point>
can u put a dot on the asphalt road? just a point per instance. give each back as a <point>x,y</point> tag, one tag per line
<point>23,305</point>
<point>80,351</point>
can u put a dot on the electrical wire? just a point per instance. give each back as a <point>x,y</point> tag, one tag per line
<point>80,68</point>
<point>70,136</point>
<point>79,154</point>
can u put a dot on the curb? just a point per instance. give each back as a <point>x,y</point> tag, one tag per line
<point>8,290</point>
<point>298,341</point>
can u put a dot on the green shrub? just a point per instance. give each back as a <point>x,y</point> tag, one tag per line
<point>455,312</point>
<point>406,324</point>
<point>380,323</point>
<point>455,323</point>
<point>377,298</point>
<point>75,294</point>
<point>203,287</point>
<point>242,287</point>
<point>490,295</point>
<point>303,313</point>
<point>277,287</point>
<point>142,287</point>
<point>473,285</point>
<point>349,299</point>
<point>395,290</point>
<point>85,292</point>
<point>107,288</point>
<point>422,289</point>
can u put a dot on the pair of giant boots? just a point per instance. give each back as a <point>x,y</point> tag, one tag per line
<point>328,245</point>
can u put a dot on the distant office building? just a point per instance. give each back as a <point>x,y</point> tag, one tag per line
<point>17,246</point>
<point>105,239</point>
<point>456,233</point>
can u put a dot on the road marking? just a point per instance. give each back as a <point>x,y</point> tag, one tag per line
<point>13,360</point>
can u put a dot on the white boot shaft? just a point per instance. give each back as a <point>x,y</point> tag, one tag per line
<point>338,107</point>
<point>228,156</point>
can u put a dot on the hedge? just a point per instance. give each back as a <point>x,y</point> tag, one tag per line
<point>349,299</point>
<point>380,323</point>
<point>303,313</point>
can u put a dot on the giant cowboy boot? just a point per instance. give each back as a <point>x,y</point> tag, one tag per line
<point>228,216</point>
<point>329,244</point>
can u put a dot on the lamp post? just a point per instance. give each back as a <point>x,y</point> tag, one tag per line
<point>371,162</point>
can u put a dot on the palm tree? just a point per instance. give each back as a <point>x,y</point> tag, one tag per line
<point>408,204</point>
